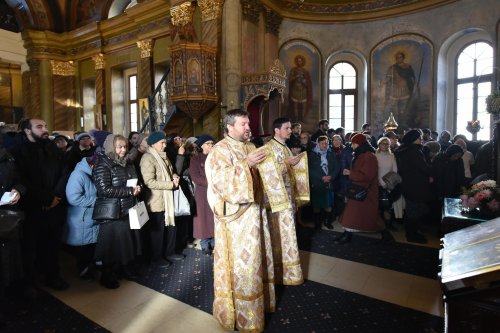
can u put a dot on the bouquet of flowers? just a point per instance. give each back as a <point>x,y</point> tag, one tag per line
<point>473,126</point>
<point>484,195</point>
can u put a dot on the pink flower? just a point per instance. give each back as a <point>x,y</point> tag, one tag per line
<point>493,205</point>
<point>473,203</point>
<point>480,196</point>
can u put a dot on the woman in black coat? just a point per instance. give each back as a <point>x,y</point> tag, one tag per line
<point>416,183</point>
<point>115,247</point>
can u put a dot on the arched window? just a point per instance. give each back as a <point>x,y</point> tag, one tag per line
<point>473,83</point>
<point>342,92</point>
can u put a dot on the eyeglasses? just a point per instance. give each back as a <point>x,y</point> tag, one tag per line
<point>384,144</point>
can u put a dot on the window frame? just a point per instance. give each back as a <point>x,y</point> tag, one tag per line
<point>343,93</point>
<point>475,80</point>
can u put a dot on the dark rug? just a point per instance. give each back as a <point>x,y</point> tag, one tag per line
<point>43,314</point>
<point>311,307</point>
<point>315,307</point>
<point>412,259</point>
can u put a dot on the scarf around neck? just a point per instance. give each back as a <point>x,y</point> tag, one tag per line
<point>166,175</point>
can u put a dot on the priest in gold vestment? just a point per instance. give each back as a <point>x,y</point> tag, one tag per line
<point>243,261</point>
<point>282,193</point>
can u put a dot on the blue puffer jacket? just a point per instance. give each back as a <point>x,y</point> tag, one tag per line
<point>81,194</point>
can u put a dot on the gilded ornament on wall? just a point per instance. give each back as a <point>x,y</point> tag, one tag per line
<point>145,46</point>
<point>99,61</point>
<point>210,9</point>
<point>182,14</point>
<point>63,68</point>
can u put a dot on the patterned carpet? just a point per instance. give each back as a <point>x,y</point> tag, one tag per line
<point>406,258</point>
<point>311,307</point>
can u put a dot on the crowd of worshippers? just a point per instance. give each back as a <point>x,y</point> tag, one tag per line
<point>56,181</point>
<point>413,171</point>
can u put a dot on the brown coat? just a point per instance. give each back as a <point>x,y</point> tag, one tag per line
<point>364,215</point>
<point>203,222</point>
<point>152,175</point>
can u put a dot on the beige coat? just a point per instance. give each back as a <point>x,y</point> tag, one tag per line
<point>152,175</point>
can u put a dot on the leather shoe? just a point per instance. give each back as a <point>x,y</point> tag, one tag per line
<point>175,257</point>
<point>344,238</point>
<point>161,263</point>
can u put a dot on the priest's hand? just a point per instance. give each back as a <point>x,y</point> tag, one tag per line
<point>255,158</point>
<point>294,160</point>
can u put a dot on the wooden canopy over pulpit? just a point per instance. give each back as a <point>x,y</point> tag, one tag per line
<point>193,78</point>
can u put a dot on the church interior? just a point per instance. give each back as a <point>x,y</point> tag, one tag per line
<point>179,66</point>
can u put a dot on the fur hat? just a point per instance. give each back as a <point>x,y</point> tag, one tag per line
<point>359,139</point>
<point>155,137</point>
<point>411,136</point>
<point>204,138</point>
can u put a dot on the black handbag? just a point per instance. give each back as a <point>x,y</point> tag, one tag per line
<point>356,192</point>
<point>10,222</point>
<point>384,198</point>
<point>106,209</point>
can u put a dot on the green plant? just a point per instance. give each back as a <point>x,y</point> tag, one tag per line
<point>493,102</point>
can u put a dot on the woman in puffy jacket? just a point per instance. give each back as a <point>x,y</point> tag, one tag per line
<point>115,247</point>
<point>81,229</point>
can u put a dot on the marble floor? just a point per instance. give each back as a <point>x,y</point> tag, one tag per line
<point>135,308</point>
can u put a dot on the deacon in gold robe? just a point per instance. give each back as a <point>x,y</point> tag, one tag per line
<point>281,196</point>
<point>243,262</point>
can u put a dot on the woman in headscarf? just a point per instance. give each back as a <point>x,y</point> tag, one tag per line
<point>115,247</point>
<point>160,181</point>
<point>322,171</point>
<point>363,216</point>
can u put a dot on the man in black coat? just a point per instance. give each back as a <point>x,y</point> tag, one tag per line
<point>416,186</point>
<point>41,167</point>
<point>323,126</point>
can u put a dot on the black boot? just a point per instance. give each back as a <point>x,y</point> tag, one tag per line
<point>108,278</point>
<point>344,238</point>
<point>318,218</point>
<point>386,236</point>
<point>412,235</point>
<point>327,222</point>
<point>390,225</point>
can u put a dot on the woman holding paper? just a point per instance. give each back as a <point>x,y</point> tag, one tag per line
<point>160,181</point>
<point>114,176</point>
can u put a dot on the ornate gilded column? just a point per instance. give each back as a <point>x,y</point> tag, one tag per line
<point>46,89</point>
<point>64,95</point>
<point>100,120</point>
<point>211,17</point>
<point>251,48</point>
<point>145,70</point>
<point>182,29</point>
<point>231,55</point>
<point>32,89</point>
<point>271,41</point>
<point>211,13</point>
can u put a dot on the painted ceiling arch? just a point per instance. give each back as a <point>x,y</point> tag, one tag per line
<point>67,15</point>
